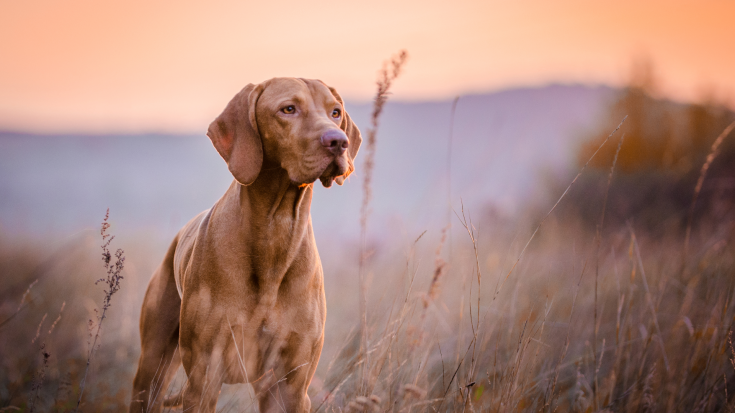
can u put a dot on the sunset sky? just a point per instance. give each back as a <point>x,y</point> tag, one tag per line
<point>171,66</point>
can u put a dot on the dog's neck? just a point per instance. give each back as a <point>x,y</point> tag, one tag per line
<point>274,196</point>
<point>272,213</point>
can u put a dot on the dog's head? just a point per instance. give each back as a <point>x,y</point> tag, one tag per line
<point>298,124</point>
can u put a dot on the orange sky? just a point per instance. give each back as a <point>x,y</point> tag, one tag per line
<point>133,65</point>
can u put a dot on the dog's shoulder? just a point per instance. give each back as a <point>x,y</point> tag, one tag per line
<point>186,240</point>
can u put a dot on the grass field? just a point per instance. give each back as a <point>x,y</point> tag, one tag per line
<point>631,325</point>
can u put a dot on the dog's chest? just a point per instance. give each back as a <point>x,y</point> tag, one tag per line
<point>259,341</point>
<point>281,241</point>
<point>278,236</point>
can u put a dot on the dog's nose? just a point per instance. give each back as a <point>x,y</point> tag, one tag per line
<point>336,141</point>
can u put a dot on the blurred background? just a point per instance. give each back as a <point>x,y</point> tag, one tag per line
<point>106,105</point>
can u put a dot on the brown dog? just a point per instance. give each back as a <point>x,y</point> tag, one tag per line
<point>239,297</point>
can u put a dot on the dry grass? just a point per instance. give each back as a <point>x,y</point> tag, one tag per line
<point>702,174</point>
<point>112,281</point>
<point>659,341</point>
<point>49,371</point>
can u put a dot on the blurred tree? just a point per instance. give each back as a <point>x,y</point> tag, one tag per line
<point>665,145</point>
<point>660,135</point>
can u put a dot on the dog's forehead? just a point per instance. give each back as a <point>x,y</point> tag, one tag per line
<point>285,88</point>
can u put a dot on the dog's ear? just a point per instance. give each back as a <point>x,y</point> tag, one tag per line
<point>353,134</point>
<point>235,135</point>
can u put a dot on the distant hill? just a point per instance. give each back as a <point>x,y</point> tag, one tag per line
<point>60,184</point>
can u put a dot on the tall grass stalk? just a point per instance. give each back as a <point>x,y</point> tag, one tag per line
<point>467,224</point>
<point>598,235</point>
<point>387,75</point>
<point>702,174</point>
<point>112,281</point>
<point>21,305</point>
<point>649,299</point>
<point>449,173</point>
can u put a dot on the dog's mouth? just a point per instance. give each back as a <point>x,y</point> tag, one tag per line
<point>328,170</point>
<point>336,171</point>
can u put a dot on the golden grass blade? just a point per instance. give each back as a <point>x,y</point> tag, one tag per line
<point>702,174</point>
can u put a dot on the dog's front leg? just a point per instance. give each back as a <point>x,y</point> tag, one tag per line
<point>284,385</point>
<point>282,394</point>
<point>202,343</point>
<point>204,383</point>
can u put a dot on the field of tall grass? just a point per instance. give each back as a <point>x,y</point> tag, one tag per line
<point>609,303</point>
<point>629,324</point>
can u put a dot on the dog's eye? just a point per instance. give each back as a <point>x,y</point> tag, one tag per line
<point>289,109</point>
<point>336,113</point>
